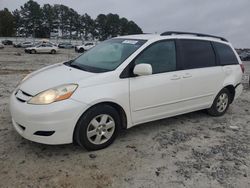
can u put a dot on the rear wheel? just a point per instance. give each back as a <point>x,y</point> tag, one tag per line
<point>33,51</point>
<point>221,103</point>
<point>53,51</point>
<point>97,128</point>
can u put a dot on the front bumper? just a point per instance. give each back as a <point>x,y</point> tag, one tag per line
<point>58,118</point>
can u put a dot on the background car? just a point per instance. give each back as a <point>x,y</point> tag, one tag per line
<point>45,41</point>
<point>84,47</point>
<point>245,56</point>
<point>7,42</point>
<point>42,48</point>
<point>1,46</point>
<point>65,45</point>
<point>17,44</point>
<point>27,44</point>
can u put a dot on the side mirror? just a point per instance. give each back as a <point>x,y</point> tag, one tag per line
<point>143,69</point>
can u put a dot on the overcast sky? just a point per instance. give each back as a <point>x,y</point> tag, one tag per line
<point>228,18</point>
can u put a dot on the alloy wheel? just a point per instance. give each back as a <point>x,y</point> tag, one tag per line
<point>222,102</point>
<point>100,129</point>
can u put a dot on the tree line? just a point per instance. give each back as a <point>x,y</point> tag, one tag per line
<point>49,20</point>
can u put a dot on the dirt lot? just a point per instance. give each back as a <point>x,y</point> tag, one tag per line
<point>192,150</point>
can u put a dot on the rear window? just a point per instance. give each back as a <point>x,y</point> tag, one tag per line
<point>197,54</point>
<point>225,54</point>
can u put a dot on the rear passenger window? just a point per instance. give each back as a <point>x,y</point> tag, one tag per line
<point>161,56</point>
<point>197,54</point>
<point>225,53</point>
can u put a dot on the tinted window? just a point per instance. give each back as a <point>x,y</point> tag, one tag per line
<point>88,44</point>
<point>197,54</point>
<point>161,56</point>
<point>225,53</point>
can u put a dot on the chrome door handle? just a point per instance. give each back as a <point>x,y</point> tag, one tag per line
<point>175,77</point>
<point>187,75</point>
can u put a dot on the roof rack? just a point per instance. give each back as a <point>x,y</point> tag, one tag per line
<point>190,33</point>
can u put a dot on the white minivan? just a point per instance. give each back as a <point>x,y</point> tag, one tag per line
<point>123,82</point>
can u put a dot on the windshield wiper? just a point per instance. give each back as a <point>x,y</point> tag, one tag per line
<point>68,62</point>
<point>85,67</point>
<point>77,66</point>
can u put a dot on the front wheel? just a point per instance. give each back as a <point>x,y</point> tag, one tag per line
<point>81,50</point>
<point>97,128</point>
<point>220,104</point>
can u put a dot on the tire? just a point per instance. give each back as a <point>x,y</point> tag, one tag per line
<point>81,50</point>
<point>97,128</point>
<point>221,103</point>
<point>53,51</point>
<point>33,51</point>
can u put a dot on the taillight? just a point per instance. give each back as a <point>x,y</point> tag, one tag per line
<point>242,68</point>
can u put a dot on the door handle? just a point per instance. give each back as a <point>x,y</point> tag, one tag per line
<point>175,77</point>
<point>187,75</point>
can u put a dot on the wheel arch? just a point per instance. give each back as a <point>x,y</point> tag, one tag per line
<point>116,106</point>
<point>82,49</point>
<point>231,89</point>
<point>119,109</point>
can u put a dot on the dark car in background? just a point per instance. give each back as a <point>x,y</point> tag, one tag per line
<point>7,42</point>
<point>65,45</point>
<point>17,45</point>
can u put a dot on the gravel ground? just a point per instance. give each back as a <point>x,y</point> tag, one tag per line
<point>192,150</point>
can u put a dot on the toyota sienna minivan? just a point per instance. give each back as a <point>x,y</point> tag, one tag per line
<point>123,82</point>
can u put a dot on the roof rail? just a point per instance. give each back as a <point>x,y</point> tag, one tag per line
<point>190,33</point>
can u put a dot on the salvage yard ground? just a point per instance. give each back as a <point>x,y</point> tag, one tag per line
<point>192,150</point>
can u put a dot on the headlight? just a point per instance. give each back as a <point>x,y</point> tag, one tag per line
<point>55,94</point>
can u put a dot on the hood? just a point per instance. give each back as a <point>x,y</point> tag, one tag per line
<point>52,76</point>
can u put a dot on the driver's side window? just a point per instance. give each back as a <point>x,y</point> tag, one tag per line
<point>161,56</point>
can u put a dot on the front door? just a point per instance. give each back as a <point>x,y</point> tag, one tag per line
<point>156,96</point>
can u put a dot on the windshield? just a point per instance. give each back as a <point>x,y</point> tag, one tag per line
<point>107,56</point>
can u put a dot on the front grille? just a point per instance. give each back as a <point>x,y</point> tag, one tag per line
<point>21,100</point>
<point>22,96</point>
<point>27,94</point>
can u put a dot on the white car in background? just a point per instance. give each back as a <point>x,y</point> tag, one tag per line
<point>84,47</point>
<point>42,48</point>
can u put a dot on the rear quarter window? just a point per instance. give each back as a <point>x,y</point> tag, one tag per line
<point>196,54</point>
<point>225,54</point>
